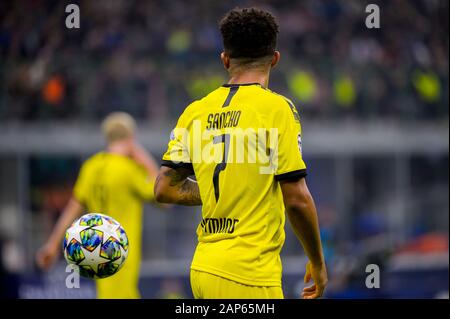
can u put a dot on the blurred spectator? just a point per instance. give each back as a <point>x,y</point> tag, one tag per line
<point>303,86</point>
<point>344,91</point>
<point>54,90</point>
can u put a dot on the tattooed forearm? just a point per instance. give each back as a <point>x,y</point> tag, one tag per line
<point>190,193</point>
<point>177,176</point>
<point>158,179</point>
<point>174,186</point>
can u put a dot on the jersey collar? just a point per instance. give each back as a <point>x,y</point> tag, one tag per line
<point>240,84</point>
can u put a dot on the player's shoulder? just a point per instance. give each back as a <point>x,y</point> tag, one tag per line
<point>280,100</point>
<point>201,105</point>
<point>102,159</point>
<point>279,103</point>
<point>93,159</point>
<point>209,99</point>
<point>89,165</point>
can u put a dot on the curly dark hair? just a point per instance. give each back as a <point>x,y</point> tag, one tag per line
<point>249,33</point>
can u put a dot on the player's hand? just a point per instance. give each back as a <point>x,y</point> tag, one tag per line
<point>136,150</point>
<point>318,273</point>
<point>46,256</point>
<point>138,153</point>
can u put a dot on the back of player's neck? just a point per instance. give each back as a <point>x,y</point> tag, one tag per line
<point>249,77</point>
<point>117,149</point>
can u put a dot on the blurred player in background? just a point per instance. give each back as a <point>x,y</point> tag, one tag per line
<point>115,182</point>
<point>242,231</point>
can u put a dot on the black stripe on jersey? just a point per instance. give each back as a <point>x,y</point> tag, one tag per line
<point>175,165</point>
<point>294,110</point>
<point>228,85</point>
<point>233,90</point>
<point>291,176</point>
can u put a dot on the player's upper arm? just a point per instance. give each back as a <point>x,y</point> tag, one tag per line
<point>142,184</point>
<point>177,154</point>
<point>296,194</point>
<point>176,161</point>
<point>290,164</point>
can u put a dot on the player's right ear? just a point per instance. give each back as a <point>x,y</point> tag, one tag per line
<point>275,59</point>
<point>225,60</point>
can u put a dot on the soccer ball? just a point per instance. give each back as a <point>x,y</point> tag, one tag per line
<point>97,244</point>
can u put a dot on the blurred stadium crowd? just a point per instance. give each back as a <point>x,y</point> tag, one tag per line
<point>151,58</point>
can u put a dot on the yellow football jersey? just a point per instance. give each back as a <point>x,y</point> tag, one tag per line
<point>240,141</point>
<point>116,186</point>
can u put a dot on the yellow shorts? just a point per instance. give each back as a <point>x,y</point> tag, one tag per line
<point>122,285</point>
<point>208,286</point>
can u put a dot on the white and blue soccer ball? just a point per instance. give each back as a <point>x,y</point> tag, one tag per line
<point>97,245</point>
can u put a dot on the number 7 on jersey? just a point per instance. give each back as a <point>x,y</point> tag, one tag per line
<point>224,138</point>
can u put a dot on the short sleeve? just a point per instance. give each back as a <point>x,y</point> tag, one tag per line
<point>177,154</point>
<point>290,164</point>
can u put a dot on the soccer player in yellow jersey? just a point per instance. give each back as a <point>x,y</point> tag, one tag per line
<point>115,182</point>
<point>247,188</point>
